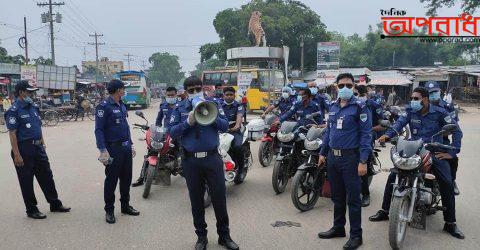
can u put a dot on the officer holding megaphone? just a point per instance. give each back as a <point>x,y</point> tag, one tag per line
<point>196,123</point>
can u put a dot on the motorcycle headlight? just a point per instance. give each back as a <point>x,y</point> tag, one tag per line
<point>285,137</point>
<point>157,145</point>
<point>406,163</point>
<point>312,145</point>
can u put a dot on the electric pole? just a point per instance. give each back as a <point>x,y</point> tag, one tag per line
<point>48,17</point>
<point>301,55</point>
<point>96,53</point>
<point>26,39</point>
<point>128,55</point>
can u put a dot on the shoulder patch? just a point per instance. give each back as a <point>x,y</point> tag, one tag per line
<point>12,120</point>
<point>363,117</point>
<point>448,119</point>
<point>100,113</point>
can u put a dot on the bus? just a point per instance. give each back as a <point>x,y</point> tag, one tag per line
<point>138,93</point>
<point>257,93</point>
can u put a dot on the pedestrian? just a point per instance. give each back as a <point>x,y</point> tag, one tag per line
<point>347,146</point>
<point>244,101</point>
<point>202,164</point>
<point>80,111</point>
<point>28,152</point>
<point>112,134</point>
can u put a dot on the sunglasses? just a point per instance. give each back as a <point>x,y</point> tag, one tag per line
<point>342,85</point>
<point>194,90</point>
<point>229,94</point>
<point>414,98</point>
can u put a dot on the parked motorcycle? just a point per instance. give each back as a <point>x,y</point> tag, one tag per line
<point>415,191</point>
<point>269,144</point>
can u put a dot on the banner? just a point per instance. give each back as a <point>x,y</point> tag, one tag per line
<point>328,55</point>
<point>56,77</point>
<point>244,80</point>
<point>29,73</point>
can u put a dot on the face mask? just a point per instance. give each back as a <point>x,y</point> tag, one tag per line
<point>362,98</point>
<point>285,95</point>
<point>193,96</point>
<point>416,105</point>
<point>170,100</point>
<point>299,98</point>
<point>228,103</point>
<point>219,93</point>
<point>28,99</point>
<point>434,96</point>
<point>345,93</point>
<point>313,90</point>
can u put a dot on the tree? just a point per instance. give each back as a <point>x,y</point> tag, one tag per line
<point>5,58</point>
<point>285,22</point>
<point>209,64</point>
<point>43,61</point>
<point>165,68</point>
<point>468,6</point>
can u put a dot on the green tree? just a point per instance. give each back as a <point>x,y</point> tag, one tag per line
<point>165,68</point>
<point>468,6</point>
<point>285,22</point>
<point>43,61</point>
<point>209,64</point>
<point>5,58</point>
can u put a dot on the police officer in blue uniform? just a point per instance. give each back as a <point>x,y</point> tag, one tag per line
<point>376,110</point>
<point>202,164</point>
<point>163,118</point>
<point>425,120</point>
<point>347,146</point>
<point>28,151</point>
<point>112,134</point>
<point>302,109</point>
<point>283,104</point>
<point>435,98</point>
<point>234,114</point>
<point>319,98</point>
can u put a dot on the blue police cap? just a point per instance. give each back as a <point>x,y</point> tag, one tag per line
<point>432,86</point>
<point>114,85</point>
<point>24,85</point>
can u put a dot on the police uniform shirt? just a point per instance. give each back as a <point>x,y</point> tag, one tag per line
<point>231,111</point>
<point>164,114</point>
<point>111,123</point>
<point>450,108</point>
<point>301,111</point>
<point>284,104</point>
<point>349,127</point>
<point>323,102</point>
<point>25,119</point>
<point>376,110</point>
<point>196,138</point>
<point>425,126</point>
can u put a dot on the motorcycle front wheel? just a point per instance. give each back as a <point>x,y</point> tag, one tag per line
<point>150,173</point>
<point>265,153</point>
<point>397,223</point>
<point>279,177</point>
<point>304,192</point>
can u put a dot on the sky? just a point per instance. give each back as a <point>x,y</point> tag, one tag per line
<point>143,27</point>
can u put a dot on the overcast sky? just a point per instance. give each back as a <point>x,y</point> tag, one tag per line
<point>143,27</point>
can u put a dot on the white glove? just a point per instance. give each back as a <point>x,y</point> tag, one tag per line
<point>191,119</point>
<point>104,156</point>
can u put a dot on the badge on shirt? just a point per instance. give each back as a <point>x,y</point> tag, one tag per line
<point>28,125</point>
<point>117,121</point>
<point>116,111</point>
<point>448,119</point>
<point>25,116</point>
<point>340,123</point>
<point>172,119</point>
<point>414,131</point>
<point>379,111</point>
<point>12,120</point>
<point>363,117</point>
<point>100,113</point>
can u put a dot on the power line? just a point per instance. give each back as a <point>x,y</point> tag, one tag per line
<point>96,51</point>
<point>16,36</point>
<point>58,19</point>
<point>128,55</point>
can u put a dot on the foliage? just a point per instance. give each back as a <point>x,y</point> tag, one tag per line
<point>468,6</point>
<point>209,64</point>
<point>5,58</point>
<point>165,68</point>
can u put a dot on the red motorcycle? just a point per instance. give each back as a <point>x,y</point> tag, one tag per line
<point>269,144</point>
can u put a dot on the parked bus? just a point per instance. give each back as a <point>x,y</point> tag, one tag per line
<point>257,93</point>
<point>138,93</point>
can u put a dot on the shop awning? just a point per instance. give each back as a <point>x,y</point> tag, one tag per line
<point>389,78</point>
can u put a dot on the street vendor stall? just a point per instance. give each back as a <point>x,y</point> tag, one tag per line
<point>392,81</point>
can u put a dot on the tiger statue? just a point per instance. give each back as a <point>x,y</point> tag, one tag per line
<point>255,27</point>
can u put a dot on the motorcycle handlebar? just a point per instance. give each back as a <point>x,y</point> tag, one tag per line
<point>439,145</point>
<point>144,127</point>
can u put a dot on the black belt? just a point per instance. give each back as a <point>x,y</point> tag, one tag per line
<point>31,141</point>
<point>344,152</point>
<point>118,143</point>
<point>201,154</point>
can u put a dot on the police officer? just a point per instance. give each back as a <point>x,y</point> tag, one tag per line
<point>347,146</point>
<point>234,114</point>
<point>319,98</point>
<point>302,109</point>
<point>163,117</point>
<point>435,98</point>
<point>116,149</point>
<point>202,164</point>
<point>376,110</point>
<point>28,152</point>
<point>425,120</point>
<point>283,104</point>
<point>218,91</point>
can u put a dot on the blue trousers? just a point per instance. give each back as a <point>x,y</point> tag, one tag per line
<point>345,184</point>
<point>237,150</point>
<point>441,170</point>
<point>120,169</point>
<point>201,171</point>
<point>36,164</point>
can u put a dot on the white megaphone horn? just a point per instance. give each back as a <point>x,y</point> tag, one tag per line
<point>205,112</point>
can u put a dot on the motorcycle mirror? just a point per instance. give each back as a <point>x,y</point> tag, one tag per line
<point>449,128</point>
<point>140,113</point>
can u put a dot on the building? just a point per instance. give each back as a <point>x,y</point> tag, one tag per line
<point>105,66</point>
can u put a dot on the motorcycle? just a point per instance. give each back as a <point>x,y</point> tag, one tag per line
<point>289,157</point>
<point>416,192</point>
<point>269,144</point>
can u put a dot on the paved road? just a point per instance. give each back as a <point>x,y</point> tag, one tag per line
<point>166,223</point>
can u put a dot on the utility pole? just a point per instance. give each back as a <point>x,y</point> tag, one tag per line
<point>49,17</point>
<point>128,55</point>
<point>26,39</point>
<point>301,56</point>
<point>96,53</point>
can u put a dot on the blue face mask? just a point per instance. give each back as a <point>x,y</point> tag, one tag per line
<point>434,96</point>
<point>28,99</point>
<point>345,93</point>
<point>313,90</point>
<point>171,100</point>
<point>299,98</point>
<point>193,96</point>
<point>416,105</point>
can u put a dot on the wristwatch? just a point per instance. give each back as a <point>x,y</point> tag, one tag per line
<point>363,162</point>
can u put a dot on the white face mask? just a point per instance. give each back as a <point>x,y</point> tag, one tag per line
<point>193,96</point>
<point>171,100</point>
<point>285,95</point>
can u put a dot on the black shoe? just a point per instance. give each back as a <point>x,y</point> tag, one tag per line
<point>365,200</point>
<point>60,209</point>
<point>139,182</point>
<point>228,243</point>
<point>130,211</point>
<point>110,218</point>
<point>381,215</point>
<point>332,233</point>
<point>239,178</point>
<point>453,230</point>
<point>37,215</point>
<point>201,243</point>
<point>353,243</point>
<point>455,188</point>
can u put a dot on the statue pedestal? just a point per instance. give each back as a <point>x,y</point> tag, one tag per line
<point>259,53</point>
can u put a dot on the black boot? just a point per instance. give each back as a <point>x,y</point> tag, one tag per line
<point>353,243</point>
<point>366,200</point>
<point>332,233</point>
<point>453,230</point>
<point>129,210</point>
<point>37,215</point>
<point>110,218</point>
<point>60,209</point>
<point>381,215</point>
<point>139,182</point>
<point>201,243</point>
<point>228,243</point>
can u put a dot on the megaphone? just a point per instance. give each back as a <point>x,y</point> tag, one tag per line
<point>205,112</point>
